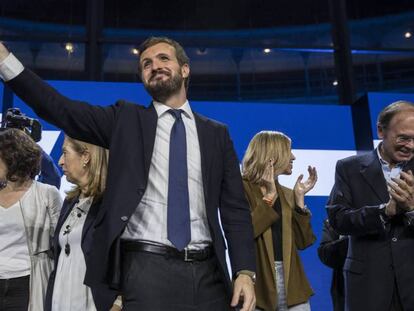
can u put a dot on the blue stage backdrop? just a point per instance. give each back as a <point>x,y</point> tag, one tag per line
<point>321,135</point>
<point>1,95</point>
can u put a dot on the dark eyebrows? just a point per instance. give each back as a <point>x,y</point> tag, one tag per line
<point>162,55</point>
<point>159,55</point>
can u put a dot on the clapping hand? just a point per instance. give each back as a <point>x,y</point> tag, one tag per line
<point>268,183</point>
<point>402,191</point>
<point>301,188</point>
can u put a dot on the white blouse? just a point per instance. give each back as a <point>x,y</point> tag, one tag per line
<point>69,292</point>
<point>14,251</point>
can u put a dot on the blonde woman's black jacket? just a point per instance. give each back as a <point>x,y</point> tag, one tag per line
<point>102,294</point>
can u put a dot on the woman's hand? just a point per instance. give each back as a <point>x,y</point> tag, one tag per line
<point>301,188</point>
<point>268,185</point>
<point>115,308</point>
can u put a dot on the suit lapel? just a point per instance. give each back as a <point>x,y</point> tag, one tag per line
<point>204,140</point>
<point>371,170</point>
<point>149,119</point>
<point>91,216</point>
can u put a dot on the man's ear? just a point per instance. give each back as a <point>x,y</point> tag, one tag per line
<point>380,131</point>
<point>185,70</point>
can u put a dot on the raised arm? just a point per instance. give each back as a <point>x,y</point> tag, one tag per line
<point>79,120</point>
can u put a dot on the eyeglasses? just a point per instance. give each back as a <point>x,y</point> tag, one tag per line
<point>402,139</point>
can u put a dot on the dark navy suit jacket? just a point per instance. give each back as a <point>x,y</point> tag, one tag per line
<point>128,130</point>
<point>379,256</point>
<point>49,173</point>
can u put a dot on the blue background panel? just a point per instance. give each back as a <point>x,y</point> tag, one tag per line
<point>310,126</point>
<point>1,96</point>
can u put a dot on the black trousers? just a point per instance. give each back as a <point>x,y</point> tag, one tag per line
<point>14,294</point>
<point>396,304</point>
<point>155,283</point>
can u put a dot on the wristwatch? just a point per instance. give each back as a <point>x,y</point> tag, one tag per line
<point>249,273</point>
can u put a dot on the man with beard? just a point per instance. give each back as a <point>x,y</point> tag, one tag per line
<point>171,173</point>
<point>372,202</point>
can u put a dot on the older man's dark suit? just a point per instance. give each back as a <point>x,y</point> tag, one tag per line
<point>378,257</point>
<point>128,130</point>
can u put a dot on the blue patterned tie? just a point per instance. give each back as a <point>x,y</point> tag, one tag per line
<point>178,215</point>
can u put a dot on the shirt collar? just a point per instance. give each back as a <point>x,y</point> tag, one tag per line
<point>384,162</point>
<point>162,109</point>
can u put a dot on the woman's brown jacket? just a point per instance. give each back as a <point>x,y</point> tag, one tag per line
<point>297,234</point>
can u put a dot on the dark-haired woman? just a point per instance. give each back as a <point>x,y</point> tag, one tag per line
<point>28,215</point>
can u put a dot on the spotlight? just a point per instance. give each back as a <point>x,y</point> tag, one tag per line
<point>335,83</point>
<point>201,51</point>
<point>69,47</point>
<point>267,51</point>
<point>135,51</point>
<point>408,35</point>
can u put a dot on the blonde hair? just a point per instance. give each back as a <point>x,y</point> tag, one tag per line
<point>264,146</point>
<point>97,169</point>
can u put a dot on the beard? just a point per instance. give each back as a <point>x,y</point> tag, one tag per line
<point>161,90</point>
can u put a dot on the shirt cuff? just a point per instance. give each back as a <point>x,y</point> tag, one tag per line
<point>410,218</point>
<point>383,217</point>
<point>10,68</point>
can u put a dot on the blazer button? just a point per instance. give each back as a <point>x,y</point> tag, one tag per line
<point>124,218</point>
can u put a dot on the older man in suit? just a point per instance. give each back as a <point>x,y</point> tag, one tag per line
<point>372,202</point>
<point>171,171</point>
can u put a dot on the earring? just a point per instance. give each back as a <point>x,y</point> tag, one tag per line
<point>84,165</point>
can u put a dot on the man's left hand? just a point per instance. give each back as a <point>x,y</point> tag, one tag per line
<point>244,291</point>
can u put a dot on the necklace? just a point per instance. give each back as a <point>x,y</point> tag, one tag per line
<point>74,217</point>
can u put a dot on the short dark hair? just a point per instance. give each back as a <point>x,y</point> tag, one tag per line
<point>20,154</point>
<point>386,115</point>
<point>182,57</point>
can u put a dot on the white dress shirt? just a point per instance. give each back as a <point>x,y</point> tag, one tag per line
<point>149,221</point>
<point>10,67</point>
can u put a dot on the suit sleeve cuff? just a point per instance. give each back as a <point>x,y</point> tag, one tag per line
<point>10,68</point>
<point>409,218</point>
